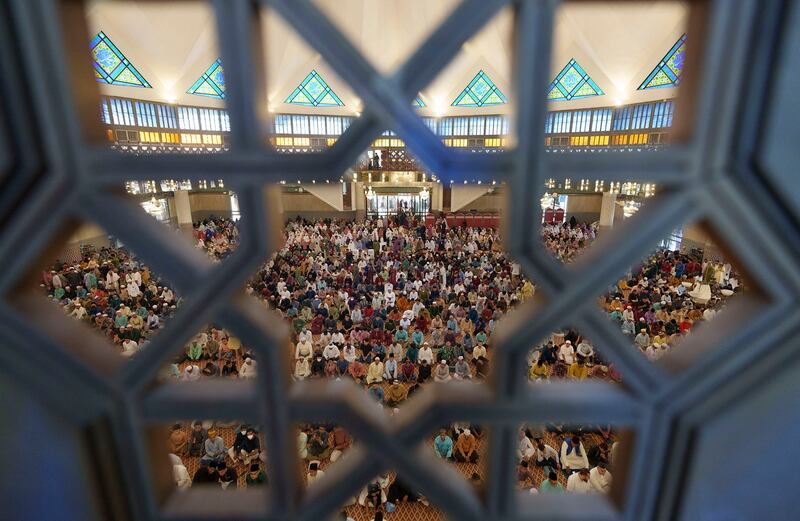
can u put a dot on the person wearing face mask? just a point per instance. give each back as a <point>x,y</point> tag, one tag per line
<point>235,450</point>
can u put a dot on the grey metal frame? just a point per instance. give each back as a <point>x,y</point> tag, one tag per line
<point>52,172</point>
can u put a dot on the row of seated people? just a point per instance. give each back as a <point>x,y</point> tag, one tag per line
<point>661,301</point>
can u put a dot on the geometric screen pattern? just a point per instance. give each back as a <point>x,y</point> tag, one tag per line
<point>314,92</point>
<point>212,83</point>
<point>668,71</point>
<point>481,92</point>
<point>111,66</point>
<point>572,83</point>
<point>668,412</point>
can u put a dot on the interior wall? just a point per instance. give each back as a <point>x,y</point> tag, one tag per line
<point>584,207</point>
<point>207,204</point>
<point>486,203</point>
<point>463,195</point>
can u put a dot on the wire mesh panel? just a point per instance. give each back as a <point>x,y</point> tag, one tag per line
<point>55,171</point>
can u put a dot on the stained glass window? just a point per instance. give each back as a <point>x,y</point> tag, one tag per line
<point>111,66</point>
<point>668,71</point>
<point>480,92</point>
<point>418,102</point>
<point>314,92</point>
<point>212,83</point>
<point>572,83</point>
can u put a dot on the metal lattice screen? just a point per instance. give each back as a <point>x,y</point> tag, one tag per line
<point>721,174</point>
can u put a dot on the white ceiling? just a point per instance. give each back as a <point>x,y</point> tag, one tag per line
<point>172,44</point>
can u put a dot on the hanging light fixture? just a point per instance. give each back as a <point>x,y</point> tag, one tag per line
<point>425,194</point>
<point>629,208</point>
<point>370,193</point>
<point>547,200</point>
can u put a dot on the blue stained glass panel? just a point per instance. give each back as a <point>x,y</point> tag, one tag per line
<point>313,91</point>
<point>668,71</point>
<point>111,66</point>
<point>572,83</point>
<point>211,83</point>
<point>480,92</point>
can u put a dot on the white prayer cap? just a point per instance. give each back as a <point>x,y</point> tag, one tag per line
<point>467,432</point>
<point>443,362</point>
<point>460,357</point>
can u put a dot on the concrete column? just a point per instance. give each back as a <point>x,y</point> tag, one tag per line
<point>183,209</point>
<point>607,209</point>
<point>437,196</point>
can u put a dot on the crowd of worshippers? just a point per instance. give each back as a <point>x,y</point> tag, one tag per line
<point>382,302</point>
<point>661,301</point>
<point>115,293</point>
<point>217,236</point>
<point>565,240</point>
<point>218,465</point>
<point>584,459</point>
<point>569,355</point>
<point>118,295</point>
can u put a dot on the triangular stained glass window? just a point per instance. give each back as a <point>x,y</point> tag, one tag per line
<point>418,102</point>
<point>314,92</point>
<point>480,92</point>
<point>668,71</point>
<point>572,83</point>
<point>111,66</point>
<point>212,82</point>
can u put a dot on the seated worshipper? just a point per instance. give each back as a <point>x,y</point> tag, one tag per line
<point>319,446</point>
<point>228,478</point>
<point>462,370</point>
<point>524,473</point>
<point>318,366</point>
<point>331,352</point>
<point>302,369</point>
<point>600,479</point>
<point>442,372</point>
<point>314,473</point>
<point>424,372</point>
<point>425,353</point>
<point>375,371</point>
<point>642,340</point>
<point>357,370</point>
<point>229,369</point>
<point>255,477</point>
<point>179,473</point>
<point>302,444</point>
<point>399,492</point>
<point>340,441</point>
<point>248,370</point>
<point>546,457</point>
<point>374,494</point>
<point>247,448</point>
<point>525,449</point>
<point>395,394</point>
<point>191,373</point>
<point>197,440</point>
<point>390,368</point>
<point>214,448</point>
<point>551,484</point>
<point>539,370</point>
<point>443,445</point>
<point>566,354</point>
<point>206,474</point>
<point>408,371</point>
<point>178,440</point>
<point>585,352</point>
<point>479,351</point>
<point>376,391</point>
<point>578,370</point>
<point>579,482</point>
<point>481,367</point>
<point>573,455</point>
<point>466,447</point>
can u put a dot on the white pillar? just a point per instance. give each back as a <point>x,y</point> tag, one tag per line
<point>607,208</point>
<point>183,209</point>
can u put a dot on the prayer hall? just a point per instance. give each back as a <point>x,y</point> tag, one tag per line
<point>399,260</point>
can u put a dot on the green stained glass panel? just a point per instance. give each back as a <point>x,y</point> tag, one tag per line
<point>480,91</point>
<point>585,90</point>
